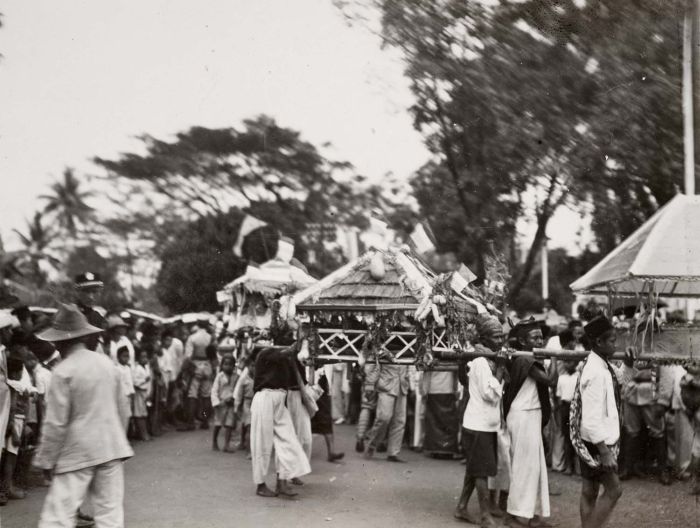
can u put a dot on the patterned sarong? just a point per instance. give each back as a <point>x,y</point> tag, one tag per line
<point>575,421</point>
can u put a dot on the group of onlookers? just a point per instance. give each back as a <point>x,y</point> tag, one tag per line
<point>655,437</point>
<point>507,419</point>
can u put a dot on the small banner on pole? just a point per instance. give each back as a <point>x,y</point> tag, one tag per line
<point>422,239</point>
<point>285,249</point>
<point>249,224</point>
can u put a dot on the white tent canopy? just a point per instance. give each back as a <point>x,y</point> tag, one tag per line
<point>661,257</point>
<point>271,277</point>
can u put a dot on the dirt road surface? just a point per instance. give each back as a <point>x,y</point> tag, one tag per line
<point>176,481</point>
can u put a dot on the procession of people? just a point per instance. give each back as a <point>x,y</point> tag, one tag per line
<point>78,389</point>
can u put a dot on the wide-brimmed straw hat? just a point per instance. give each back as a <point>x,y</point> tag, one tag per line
<point>7,320</point>
<point>70,323</point>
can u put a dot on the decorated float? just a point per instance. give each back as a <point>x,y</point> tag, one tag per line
<point>248,300</point>
<point>657,263</point>
<point>387,304</point>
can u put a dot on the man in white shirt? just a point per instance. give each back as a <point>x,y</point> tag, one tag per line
<point>175,350</point>
<point>599,426</point>
<point>482,420</point>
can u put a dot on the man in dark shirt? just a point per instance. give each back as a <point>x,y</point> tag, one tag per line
<point>88,287</point>
<point>271,426</point>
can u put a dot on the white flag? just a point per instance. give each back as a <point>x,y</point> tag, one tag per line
<point>249,224</point>
<point>421,239</point>
<point>285,249</point>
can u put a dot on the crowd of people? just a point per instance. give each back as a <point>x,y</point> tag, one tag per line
<point>507,418</point>
<point>526,407</point>
<point>174,377</point>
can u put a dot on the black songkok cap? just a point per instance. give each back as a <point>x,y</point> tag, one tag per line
<point>598,326</point>
<point>524,327</point>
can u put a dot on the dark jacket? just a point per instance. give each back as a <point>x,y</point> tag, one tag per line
<point>519,371</point>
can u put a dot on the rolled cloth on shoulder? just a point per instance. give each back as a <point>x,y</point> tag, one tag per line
<point>487,325</point>
<point>519,371</point>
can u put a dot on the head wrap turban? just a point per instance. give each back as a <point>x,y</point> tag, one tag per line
<point>487,325</point>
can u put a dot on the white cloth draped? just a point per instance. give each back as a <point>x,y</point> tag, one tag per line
<point>271,429</point>
<point>529,487</point>
<point>300,420</point>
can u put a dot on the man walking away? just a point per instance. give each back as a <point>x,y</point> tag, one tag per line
<point>83,440</point>
<point>391,382</point>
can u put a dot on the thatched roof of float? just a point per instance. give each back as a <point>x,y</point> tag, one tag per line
<point>405,282</point>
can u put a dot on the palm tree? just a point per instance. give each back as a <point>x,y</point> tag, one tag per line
<point>36,256</point>
<point>67,202</point>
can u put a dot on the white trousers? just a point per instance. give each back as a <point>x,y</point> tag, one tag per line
<point>556,443</point>
<point>337,395</point>
<point>300,420</point>
<point>529,487</point>
<point>271,429</point>
<point>103,485</point>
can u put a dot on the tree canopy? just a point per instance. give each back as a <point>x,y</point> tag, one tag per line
<point>567,102</point>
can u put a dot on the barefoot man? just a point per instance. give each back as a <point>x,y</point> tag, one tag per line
<point>595,426</point>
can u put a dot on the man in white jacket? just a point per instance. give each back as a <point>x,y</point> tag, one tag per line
<point>599,426</point>
<point>83,441</point>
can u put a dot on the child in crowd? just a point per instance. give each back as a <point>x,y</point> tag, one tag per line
<point>40,378</point>
<point>159,388</point>
<point>142,392</point>
<point>20,392</point>
<point>243,396</point>
<point>222,402</point>
<point>127,381</point>
<point>166,367</point>
<point>566,386</point>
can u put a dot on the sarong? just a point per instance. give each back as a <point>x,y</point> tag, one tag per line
<point>271,428</point>
<point>441,424</point>
<point>529,487</point>
<point>480,450</point>
<point>322,422</point>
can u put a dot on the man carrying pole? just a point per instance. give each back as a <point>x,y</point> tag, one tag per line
<point>527,408</point>
<point>595,426</point>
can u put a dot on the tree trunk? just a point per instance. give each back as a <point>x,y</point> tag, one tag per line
<point>532,253</point>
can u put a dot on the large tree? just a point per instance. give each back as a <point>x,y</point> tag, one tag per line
<point>533,99</point>
<point>633,140</point>
<point>199,262</point>
<point>207,179</point>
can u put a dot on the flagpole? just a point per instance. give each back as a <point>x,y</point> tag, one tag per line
<point>691,102</point>
<point>690,57</point>
<point>694,13</point>
<point>267,252</point>
<point>545,270</point>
